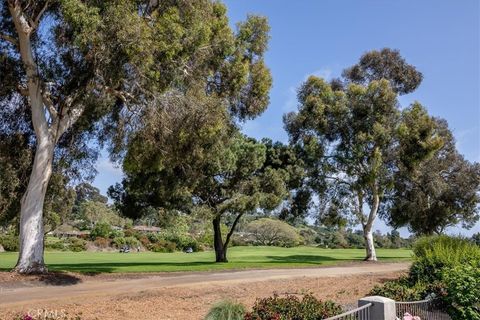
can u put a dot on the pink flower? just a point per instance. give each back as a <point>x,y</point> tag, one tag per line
<point>408,316</point>
<point>27,317</point>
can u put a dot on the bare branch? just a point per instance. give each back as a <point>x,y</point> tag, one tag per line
<point>8,38</point>
<point>36,21</point>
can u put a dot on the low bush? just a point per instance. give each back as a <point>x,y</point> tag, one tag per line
<point>162,246</point>
<point>132,242</point>
<point>76,244</point>
<point>144,241</point>
<point>226,310</point>
<point>445,267</point>
<point>119,242</point>
<point>9,242</point>
<point>130,232</point>
<point>293,308</point>
<point>102,243</point>
<point>433,254</point>
<point>462,284</point>
<point>56,244</point>
<point>401,290</point>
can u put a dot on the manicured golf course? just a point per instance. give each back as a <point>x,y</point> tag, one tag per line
<point>239,258</point>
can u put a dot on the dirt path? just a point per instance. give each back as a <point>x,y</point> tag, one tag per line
<point>172,290</point>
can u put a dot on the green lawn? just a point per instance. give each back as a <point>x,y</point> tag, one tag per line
<point>239,257</point>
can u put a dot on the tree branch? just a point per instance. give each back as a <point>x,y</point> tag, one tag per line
<point>49,104</point>
<point>232,229</point>
<point>10,39</point>
<point>36,21</point>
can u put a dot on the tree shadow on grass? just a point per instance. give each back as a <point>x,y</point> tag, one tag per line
<point>109,267</point>
<point>273,261</point>
<point>305,259</point>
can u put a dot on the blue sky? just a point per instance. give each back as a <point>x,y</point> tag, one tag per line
<point>322,37</point>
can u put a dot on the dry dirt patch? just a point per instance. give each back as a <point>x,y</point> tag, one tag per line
<point>192,300</point>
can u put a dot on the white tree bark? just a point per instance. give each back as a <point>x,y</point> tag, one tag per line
<point>30,259</point>
<point>47,134</point>
<point>367,229</point>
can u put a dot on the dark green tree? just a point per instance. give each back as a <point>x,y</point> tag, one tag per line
<point>72,71</point>
<point>199,161</point>
<point>354,136</point>
<point>295,206</point>
<point>435,194</point>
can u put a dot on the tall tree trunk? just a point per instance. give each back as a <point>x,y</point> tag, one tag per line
<point>30,259</point>
<point>220,248</point>
<point>31,210</point>
<point>370,246</point>
<point>368,228</point>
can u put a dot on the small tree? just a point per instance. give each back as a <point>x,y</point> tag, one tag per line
<point>272,232</point>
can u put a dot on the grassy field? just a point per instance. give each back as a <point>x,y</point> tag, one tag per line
<point>239,258</point>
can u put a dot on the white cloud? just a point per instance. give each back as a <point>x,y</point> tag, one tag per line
<point>291,94</point>
<point>105,166</point>
<point>325,73</point>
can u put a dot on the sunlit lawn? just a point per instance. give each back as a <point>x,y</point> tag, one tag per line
<point>239,258</point>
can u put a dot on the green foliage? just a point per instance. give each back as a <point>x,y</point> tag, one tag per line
<point>433,254</point>
<point>226,310</point>
<point>462,283</point>
<point>385,64</point>
<point>293,308</point>
<point>9,242</point>
<point>272,232</point>
<point>476,238</point>
<point>101,229</point>
<point>401,290</point>
<point>448,267</point>
<point>442,191</point>
<point>55,244</point>
<point>162,246</point>
<point>350,135</point>
<point>76,244</point>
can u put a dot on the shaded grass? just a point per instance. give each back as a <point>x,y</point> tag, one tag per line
<point>239,258</point>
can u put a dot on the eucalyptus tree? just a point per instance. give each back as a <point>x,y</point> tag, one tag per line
<point>354,136</point>
<point>74,67</point>
<point>436,194</point>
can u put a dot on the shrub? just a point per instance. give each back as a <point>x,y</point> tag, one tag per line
<point>292,308</point>
<point>433,254</point>
<point>226,310</point>
<point>9,242</point>
<point>102,230</point>
<point>132,242</point>
<point>76,244</point>
<point>102,242</point>
<point>144,241</point>
<point>119,241</point>
<point>130,232</point>
<point>52,243</point>
<point>401,290</point>
<point>272,232</point>
<point>462,284</point>
<point>448,267</point>
<point>162,246</point>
